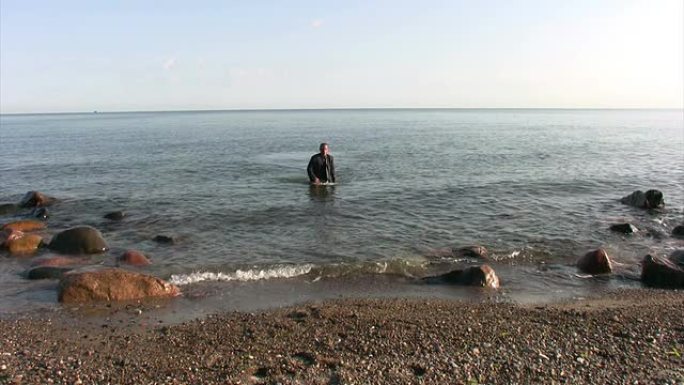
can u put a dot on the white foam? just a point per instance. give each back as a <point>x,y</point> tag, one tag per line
<point>241,275</point>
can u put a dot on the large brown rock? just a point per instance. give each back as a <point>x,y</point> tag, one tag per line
<point>24,244</point>
<point>482,275</point>
<point>25,225</point>
<point>36,199</point>
<point>650,199</point>
<point>595,262</point>
<point>134,257</point>
<point>660,272</point>
<point>111,284</point>
<point>79,240</point>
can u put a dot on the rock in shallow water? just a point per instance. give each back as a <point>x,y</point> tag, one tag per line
<point>111,284</point>
<point>678,231</point>
<point>650,199</point>
<point>47,272</point>
<point>25,225</point>
<point>115,215</point>
<point>36,199</point>
<point>482,275</point>
<point>134,257</point>
<point>79,240</point>
<point>661,272</point>
<point>19,243</point>
<point>595,262</point>
<point>624,228</point>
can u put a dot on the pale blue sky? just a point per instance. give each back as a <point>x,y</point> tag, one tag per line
<point>58,56</point>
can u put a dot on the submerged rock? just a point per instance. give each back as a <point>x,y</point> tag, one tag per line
<point>134,257</point>
<point>111,284</point>
<point>36,199</point>
<point>624,228</point>
<point>47,272</point>
<point>482,275</point>
<point>164,239</point>
<point>677,257</point>
<point>595,262</point>
<point>25,225</point>
<point>678,231</point>
<point>79,240</point>
<point>661,272</point>
<point>8,208</point>
<point>650,199</point>
<point>115,215</point>
<point>57,260</point>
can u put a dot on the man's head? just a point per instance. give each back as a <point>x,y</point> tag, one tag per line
<point>325,150</point>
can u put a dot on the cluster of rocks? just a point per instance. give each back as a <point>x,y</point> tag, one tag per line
<point>655,271</point>
<point>68,258</point>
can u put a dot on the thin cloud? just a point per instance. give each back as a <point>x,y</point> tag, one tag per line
<point>170,63</point>
<point>318,23</point>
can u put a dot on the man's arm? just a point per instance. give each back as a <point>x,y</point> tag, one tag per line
<point>309,170</point>
<point>332,169</point>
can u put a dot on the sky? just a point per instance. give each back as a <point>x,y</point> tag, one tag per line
<point>70,56</point>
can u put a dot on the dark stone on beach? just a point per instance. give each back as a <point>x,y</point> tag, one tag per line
<point>624,228</point>
<point>25,225</point>
<point>134,257</point>
<point>482,275</point>
<point>651,199</point>
<point>475,251</point>
<point>47,272</point>
<point>79,240</point>
<point>595,262</point>
<point>164,239</point>
<point>660,272</point>
<point>678,231</point>
<point>111,284</point>
<point>40,213</point>
<point>36,199</point>
<point>8,208</point>
<point>115,215</point>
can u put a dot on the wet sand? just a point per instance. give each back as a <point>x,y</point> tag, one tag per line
<point>627,336</point>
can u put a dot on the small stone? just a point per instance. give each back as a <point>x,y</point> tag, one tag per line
<point>580,360</point>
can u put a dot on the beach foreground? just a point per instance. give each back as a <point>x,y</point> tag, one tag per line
<point>629,336</point>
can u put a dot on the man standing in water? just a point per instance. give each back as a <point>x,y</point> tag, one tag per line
<point>321,168</point>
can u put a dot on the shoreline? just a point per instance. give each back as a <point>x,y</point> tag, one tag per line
<point>624,336</point>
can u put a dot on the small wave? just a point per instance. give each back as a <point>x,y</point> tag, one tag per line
<point>241,275</point>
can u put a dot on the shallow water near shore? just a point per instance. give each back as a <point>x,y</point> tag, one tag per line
<point>538,188</point>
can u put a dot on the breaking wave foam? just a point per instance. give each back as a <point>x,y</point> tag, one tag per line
<point>241,275</point>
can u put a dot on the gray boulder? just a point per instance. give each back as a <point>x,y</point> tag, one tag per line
<point>650,199</point>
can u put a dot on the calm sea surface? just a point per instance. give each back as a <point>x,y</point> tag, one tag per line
<point>538,188</point>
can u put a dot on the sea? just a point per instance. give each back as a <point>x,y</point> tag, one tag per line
<point>537,187</point>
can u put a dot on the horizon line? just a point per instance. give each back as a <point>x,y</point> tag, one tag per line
<point>95,112</point>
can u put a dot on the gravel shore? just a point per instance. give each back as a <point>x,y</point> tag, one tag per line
<point>626,337</point>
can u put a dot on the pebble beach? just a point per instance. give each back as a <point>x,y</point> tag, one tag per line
<point>633,336</point>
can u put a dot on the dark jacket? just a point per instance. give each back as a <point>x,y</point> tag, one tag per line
<point>322,168</point>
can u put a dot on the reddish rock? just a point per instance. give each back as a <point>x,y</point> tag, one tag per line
<point>79,240</point>
<point>482,275</point>
<point>57,260</point>
<point>111,284</point>
<point>25,225</point>
<point>24,244</point>
<point>661,272</point>
<point>595,262</point>
<point>135,258</point>
<point>36,199</point>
